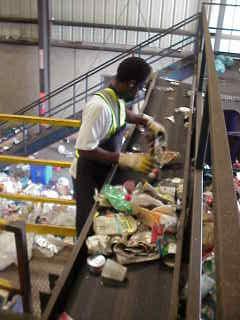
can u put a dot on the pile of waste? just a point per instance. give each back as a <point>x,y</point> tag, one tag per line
<point>134,223</point>
<point>208,277</point>
<point>208,281</point>
<point>17,180</point>
<point>208,284</point>
<point>208,287</point>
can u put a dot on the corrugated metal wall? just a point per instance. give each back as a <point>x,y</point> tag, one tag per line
<point>144,13</point>
<point>19,8</point>
<point>67,64</point>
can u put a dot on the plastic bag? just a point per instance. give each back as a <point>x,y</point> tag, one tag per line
<point>145,200</point>
<point>164,197</point>
<point>207,284</point>
<point>63,216</point>
<point>33,189</point>
<point>99,244</point>
<point>63,186</point>
<point>226,60</point>
<point>167,245</point>
<point>48,245</point>
<point>116,196</point>
<point>220,67</point>
<point>150,218</point>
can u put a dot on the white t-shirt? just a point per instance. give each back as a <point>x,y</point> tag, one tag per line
<point>96,123</point>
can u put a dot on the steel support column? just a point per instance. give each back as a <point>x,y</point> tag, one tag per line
<point>44,53</point>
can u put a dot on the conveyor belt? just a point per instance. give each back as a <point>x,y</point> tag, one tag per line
<point>147,292</point>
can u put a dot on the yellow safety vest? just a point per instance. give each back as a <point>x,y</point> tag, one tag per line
<point>117,108</point>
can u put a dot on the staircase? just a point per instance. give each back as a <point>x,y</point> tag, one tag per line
<point>68,100</point>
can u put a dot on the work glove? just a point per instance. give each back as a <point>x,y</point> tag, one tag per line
<point>157,129</point>
<point>142,162</point>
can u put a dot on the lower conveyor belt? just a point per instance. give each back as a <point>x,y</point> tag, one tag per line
<point>146,294</point>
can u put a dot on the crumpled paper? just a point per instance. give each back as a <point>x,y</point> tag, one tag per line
<point>137,249</point>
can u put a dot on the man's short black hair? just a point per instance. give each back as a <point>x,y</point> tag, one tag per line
<point>133,68</point>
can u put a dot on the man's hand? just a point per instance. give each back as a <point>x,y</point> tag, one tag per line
<point>156,128</point>
<point>142,162</point>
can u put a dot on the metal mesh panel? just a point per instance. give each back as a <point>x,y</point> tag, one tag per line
<point>230,102</point>
<point>40,267</point>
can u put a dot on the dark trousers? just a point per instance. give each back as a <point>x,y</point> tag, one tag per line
<point>90,176</point>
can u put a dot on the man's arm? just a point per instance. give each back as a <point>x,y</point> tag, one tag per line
<point>153,126</point>
<point>136,161</point>
<point>135,118</point>
<point>100,154</point>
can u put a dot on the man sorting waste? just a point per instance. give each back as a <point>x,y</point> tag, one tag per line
<point>99,140</point>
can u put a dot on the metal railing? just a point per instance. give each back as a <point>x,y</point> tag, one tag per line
<point>56,230</point>
<point>18,228</point>
<point>13,159</point>
<point>227,246</point>
<point>210,126</point>
<point>69,99</point>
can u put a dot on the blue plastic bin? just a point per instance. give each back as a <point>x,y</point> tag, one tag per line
<point>41,174</point>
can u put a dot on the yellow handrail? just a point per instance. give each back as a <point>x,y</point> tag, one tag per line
<point>3,224</point>
<point>51,229</point>
<point>61,231</point>
<point>55,122</point>
<point>7,285</point>
<point>23,197</point>
<point>40,162</point>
